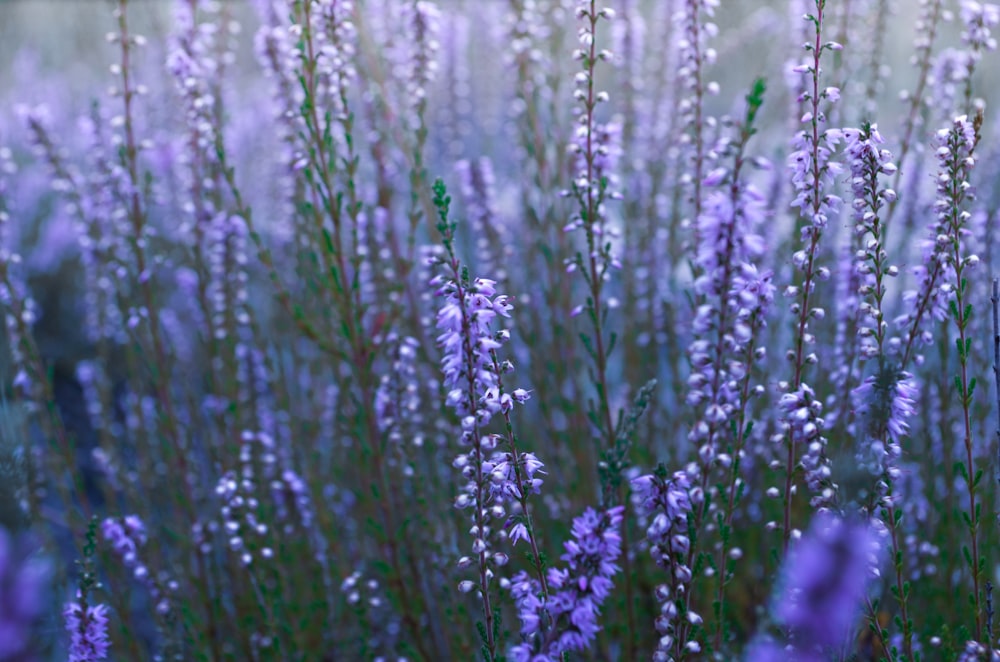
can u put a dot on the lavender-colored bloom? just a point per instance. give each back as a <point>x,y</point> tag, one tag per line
<point>576,591</point>
<point>936,276</point>
<point>125,535</point>
<point>88,630</point>
<point>978,19</point>
<point>825,579</point>
<point>667,501</point>
<point>22,585</point>
<point>887,401</point>
<point>478,307</point>
<point>504,478</point>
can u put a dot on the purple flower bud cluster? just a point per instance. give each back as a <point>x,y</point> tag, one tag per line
<point>88,630</point>
<point>868,161</point>
<point>692,22</point>
<point>801,414</point>
<point>813,175</point>
<point>125,535</point>
<point>735,296</point>
<point>666,504</point>
<point>421,19</point>
<point>594,146</point>
<point>566,621</point>
<point>466,339</point>
<point>936,275</point>
<point>813,170</point>
<point>978,20</point>
<point>397,400</point>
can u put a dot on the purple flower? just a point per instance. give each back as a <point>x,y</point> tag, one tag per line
<point>22,585</point>
<point>825,579</point>
<point>978,19</point>
<point>667,501</point>
<point>125,535</point>
<point>88,630</point>
<point>504,476</point>
<point>576,591</point>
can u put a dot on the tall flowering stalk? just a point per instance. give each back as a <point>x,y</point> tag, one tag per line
<point>928,23</point>
<point>595,147</point>
<point>885,400</point>
<point>726,322</point>
<point>86,623</point>
<point>812,173</point>
<point>693,22</point>
<point>957,144</point>
<point>471,379</point>
<point>591,189</point>
<point>978,20</point>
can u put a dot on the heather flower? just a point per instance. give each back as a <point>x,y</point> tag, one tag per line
<point>22,586</point>
<point>88,630</point>
<point>936,275</point>
<point>576,591</point>
<point>125,535</point>
<point>693,22</point>
<point>504,477</point>
<point>886,401</point>
<point>824,582</point>
<point>666,503</point>
<point>466,338</point>
<point>978,19</point>
<point>813,171</point>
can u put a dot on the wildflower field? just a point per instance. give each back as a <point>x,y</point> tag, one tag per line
<point>525,330</point>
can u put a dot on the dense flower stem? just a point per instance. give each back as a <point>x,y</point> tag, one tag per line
<point>735,486</point>
<point>596,181</point>
<point>693,29</point>
<point>472,397</point>
<point>869,161</point>
<point>811,196</point>
<point>957,164</point>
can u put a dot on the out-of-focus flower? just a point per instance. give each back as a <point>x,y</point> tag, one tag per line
<point>825,579</point>
<point>22,587</point>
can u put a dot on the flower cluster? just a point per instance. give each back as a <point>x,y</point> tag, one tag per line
<point>813,173</point>
<point>88,631</point>
<point>825,579</point>
<point>936,275</point>
<point>668,502</point>
<point>979,19</point>
<point>567,620</point>
<point>466,340</point>
<point>23,582</point>
<point>884,403</point>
